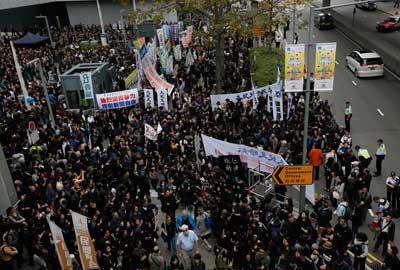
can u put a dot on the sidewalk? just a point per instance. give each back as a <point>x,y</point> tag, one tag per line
<point>387,7</point>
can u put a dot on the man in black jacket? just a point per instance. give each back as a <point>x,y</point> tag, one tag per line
<point>386,229</point>
<point>391,262</point>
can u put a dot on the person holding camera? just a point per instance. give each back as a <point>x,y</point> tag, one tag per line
<point>360,251</point>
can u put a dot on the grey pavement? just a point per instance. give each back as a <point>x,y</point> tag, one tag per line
<point>367,124</point>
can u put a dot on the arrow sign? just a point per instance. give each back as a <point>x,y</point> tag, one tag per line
<point>293,175</point>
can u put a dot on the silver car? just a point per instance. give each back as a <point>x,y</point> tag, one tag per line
<point>365,63</point>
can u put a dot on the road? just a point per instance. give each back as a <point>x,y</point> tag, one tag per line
<point>375,109</point>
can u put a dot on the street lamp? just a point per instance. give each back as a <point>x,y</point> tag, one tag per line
<point>308,86</point>
<point>48,28</point>
<point>123,25</point>
<point>44,85</point>
<point>103,36</point>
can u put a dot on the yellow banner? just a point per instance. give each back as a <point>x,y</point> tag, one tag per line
<point>325,59</point>
<point>294,67</point>
<point>61,248</point>
<point>86,249</point>
<point>131,79</point>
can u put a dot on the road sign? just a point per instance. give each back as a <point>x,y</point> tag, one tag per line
<point>293,175</point>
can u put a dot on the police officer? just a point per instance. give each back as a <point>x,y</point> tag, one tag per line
<point>363,156</point>
<point>348,113</point>
<point>380,156</point>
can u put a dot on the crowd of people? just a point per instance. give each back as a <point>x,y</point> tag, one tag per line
<point>110,177</point>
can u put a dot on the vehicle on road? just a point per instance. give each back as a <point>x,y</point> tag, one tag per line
<point>391,23</point>
<point>369,6</point>
<point>365,63</point>
<point>324,21</point>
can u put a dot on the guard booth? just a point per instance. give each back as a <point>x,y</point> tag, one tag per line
<point>102,78</point>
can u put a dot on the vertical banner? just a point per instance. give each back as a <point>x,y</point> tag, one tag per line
<point>289,104</point>
<point>270,98</point>
<point>87,84</point>
<point>61,249</point>
<point>294,67</point>
<point>255,97</point>
<point>86,249</point>
<point>277,108</point>
<point>162,99</point>
<point>142,47</point>
<point>148,98</point>
<point>325,59</point>
<point>177,52</point>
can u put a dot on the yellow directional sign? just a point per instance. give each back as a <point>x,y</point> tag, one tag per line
<point>293,175</point>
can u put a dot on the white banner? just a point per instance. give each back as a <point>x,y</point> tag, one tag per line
<point>150,132</point>
<point>177,52</point>
<point>277,109</point>
<point>87,84</point>
<point>255,158</point>
<point>154,79</point>
<point>148,98</point>
<point>61,248</point>
<point>160,37</point>
<point>289,104</point>
<point>171,17</point>
<point>324,72</point>
<point>117,100</point>
<point>87,253</point>
<point>245,97</point>
<point>162,99</point>
<point>270,98</point>
<point>187,36</point>
<point>294,67</point>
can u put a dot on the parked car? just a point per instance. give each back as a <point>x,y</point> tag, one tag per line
<point>389,24</point>
<point>365,63</point>
<point>324,21</point>
<point>369,6</point>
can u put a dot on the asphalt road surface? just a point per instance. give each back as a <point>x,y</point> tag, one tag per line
<point>376,110</point>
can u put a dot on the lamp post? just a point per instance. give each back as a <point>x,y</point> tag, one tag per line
<point>44,85</point>
<point>103,36</point>
<point>20,77</point>
<point>308,86</point>
<point>123,25</point>
<point>48,28</point>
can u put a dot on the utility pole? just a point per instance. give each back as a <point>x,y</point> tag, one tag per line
<point>20,77</point>
<point>44,85</point>
<point>308,86</point>
<point>123,25</point>
<point>103,36</point>
<point>294,20</point>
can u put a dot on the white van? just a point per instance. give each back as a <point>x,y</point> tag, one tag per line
<point>365,63</point>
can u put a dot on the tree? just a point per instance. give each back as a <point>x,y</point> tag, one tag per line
<point>223,18</point>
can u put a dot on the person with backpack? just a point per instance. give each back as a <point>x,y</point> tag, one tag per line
<point>156,260</point>
<point>8,255</point>
<point>204,224</point>
<point>343,209</point>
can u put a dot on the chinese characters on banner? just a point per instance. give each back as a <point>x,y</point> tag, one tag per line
<point>87,84</point>
<point>162,99</point>
<point>152,76</point>
<point>61,249</point>
<point>277,109</point>
<point>254,158</point>
<point>325,59</point>
<point>231,164</point>
<point>294,67</point>
<point>148,98</point>
<point>150,132</point>
<point>117,100</point>
<point>86,249</point>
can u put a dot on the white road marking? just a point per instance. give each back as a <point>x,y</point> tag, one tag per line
<point>337,63</point>
<point>371,213</point>
<point>301,21</point>
<point>354,83</point>
<point>313,36</point>
<point>380,112</point>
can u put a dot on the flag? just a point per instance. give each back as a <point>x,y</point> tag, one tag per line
<point>189,59</point>
<point>150,133</point>
<point>278,74</point>
<point>61,248</point>
<point>159,128</point>
<point>255,98</point>
<point>86,249</point>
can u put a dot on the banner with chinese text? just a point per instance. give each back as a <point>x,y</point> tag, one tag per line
<point>294,67</point>
<point>324,72</point>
